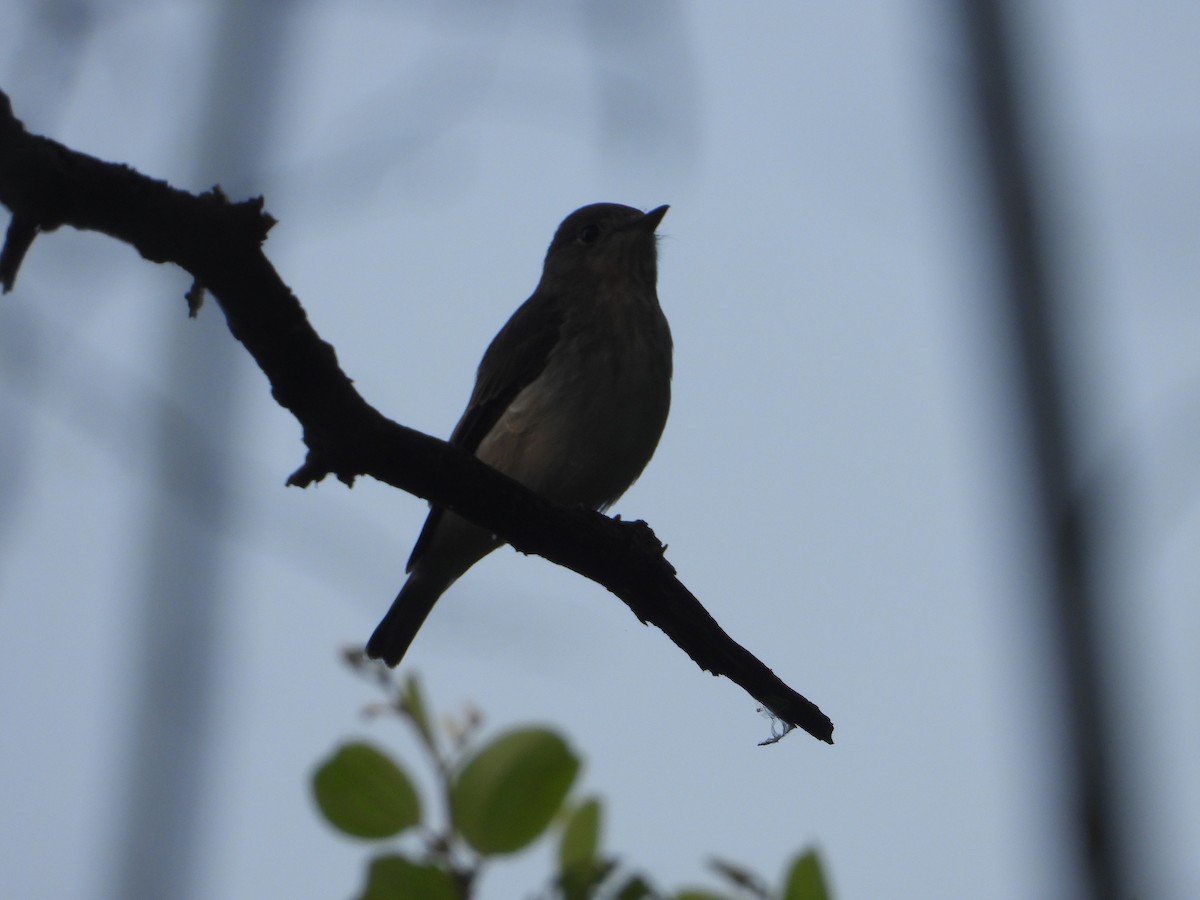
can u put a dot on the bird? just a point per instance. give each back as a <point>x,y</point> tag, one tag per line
<point>570,398</point>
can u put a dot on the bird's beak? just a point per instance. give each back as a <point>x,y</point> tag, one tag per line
<point>649,222</point>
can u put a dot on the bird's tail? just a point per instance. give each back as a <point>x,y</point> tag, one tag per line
<point>449,549</point>
<point>404,619</point>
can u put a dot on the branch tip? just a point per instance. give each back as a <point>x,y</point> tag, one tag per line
<point>195,298</point>
<point>306,475</point>
<point>17,241</point>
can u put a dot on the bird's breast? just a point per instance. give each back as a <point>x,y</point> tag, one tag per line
<point>584,429</point>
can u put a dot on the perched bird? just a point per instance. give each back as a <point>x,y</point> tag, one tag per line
<point>570,398</point>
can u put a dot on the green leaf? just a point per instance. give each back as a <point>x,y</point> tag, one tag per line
<point>396,878</point>
<point>364,794</point>
<point>579,869</point>
<point>635,888</point>
<point>805,880</point>
<point>511,790</point>
<point>580,882</point>
<point>581,836</point>
<point>693,894</point>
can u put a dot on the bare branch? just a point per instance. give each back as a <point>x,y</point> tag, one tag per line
<point>47,185</point>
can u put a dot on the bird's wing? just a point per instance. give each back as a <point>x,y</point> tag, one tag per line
<point>516,356</point>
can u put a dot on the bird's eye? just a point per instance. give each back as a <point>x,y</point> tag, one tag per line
<point>589,233</point>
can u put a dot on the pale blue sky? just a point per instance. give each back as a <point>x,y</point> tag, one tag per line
<point>839,482</point>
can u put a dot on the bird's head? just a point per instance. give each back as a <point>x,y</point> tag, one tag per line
<point>607,243</point>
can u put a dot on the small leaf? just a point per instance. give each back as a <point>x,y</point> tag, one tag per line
<point>579,869</point>
<point>740,877</point>
<point>693,894</point>
<point>412,703</point>
<point>805,880</point>
<point>635,888</point>
<point>364,794</point>
<point>396,878</point>
<point>511,790</point>
<point>581,882</point>
<point>581,836</point>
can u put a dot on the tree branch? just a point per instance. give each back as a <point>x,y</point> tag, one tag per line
<point>1068,521</point>
<point>47,185</point>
